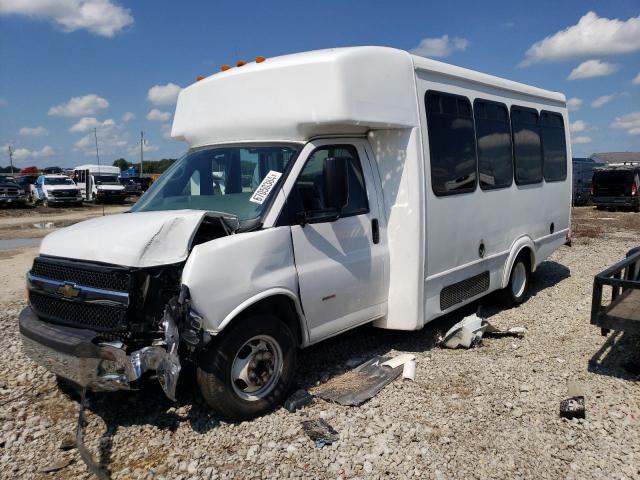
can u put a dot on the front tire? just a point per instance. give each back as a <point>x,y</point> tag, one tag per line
<point>516,290</point>
<point>248,371</point>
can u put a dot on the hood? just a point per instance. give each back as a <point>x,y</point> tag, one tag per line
<point>141,239</point>
<point>60,187</point>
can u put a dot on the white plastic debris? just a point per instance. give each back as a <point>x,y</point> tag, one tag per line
<point>398,360</point>
<point>466,333</point>
<point>409,370</point>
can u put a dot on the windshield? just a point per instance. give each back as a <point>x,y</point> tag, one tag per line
<point>58,181</point>
<point>223,179</point>
<point>106,179</point>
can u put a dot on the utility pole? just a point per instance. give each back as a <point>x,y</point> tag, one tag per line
<point>141,151</point>
<point>11,158</point>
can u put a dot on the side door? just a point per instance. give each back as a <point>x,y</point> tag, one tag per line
<point>340,262</point>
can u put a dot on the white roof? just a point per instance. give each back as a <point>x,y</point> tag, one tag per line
<point>294,97</point>
<point>94,168</point>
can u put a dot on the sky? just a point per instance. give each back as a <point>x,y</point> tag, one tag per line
<point>69,66</point>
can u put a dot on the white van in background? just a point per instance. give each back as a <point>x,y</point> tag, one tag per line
<point>321,191</point>
<point>100,183</point>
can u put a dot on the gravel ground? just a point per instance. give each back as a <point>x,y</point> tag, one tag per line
<point>488,412</point>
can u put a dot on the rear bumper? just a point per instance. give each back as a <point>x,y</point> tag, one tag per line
<point>79,356</point>
<point>616,201</point>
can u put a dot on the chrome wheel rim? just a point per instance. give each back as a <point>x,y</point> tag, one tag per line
<point>256,367</point>
<point>518,279</point>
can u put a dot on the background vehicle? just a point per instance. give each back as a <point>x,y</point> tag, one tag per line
<point>582,169</point>
<point>27,183</point>
<point>131,181</point>
<point>617,186</point>
<point>366,185</point>
<point>11,193</point>
<point>57,190</point>
<point>100,183</point>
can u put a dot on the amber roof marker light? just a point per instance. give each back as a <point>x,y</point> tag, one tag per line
<point>240,63</point>
<point>199,77</point>
<point>260,59</point>
<point>224,68</point>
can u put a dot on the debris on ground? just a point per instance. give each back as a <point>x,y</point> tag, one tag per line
<point>355,387</point>
<point>466,333</point>
<point>68,442</point>
<point>320,432</point>
<point>55,466</point>
<point>298,399</point>
<point>408,362</point>
<point>573,406</point>
<point>100,471</point>
<point>491,331</point>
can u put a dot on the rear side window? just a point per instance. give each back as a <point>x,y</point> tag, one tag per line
<point>554,146</point>
<point>451,143</point>
<point>527,148</point>
<point>495,162</point>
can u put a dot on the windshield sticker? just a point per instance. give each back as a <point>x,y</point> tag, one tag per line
<point>265,187</point>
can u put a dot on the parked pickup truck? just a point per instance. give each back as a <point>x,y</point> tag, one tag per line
<point>11,193</point>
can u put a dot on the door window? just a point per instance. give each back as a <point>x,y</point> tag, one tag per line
<point>309,187</point>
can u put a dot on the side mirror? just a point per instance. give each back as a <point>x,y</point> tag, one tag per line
<point>336,182</point>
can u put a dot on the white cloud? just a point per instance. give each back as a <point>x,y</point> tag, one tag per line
<point>440,47</point>
<point>636,81</point>
<point>591,36</point>
<point>577,126</point>
<point>629,122</point>
<point>89,123</point>
<point>164,94</point>
<point>80,106</point>
<point>581,140</point>
<point>101,17</point>
<point>33,131</point>
<point>574,104</point>
<point>166,130</point>
<point>128,116</point>
<point>25,153</point>
<point>156,115</point>
<point>592,68</point>
<point>603,100</point>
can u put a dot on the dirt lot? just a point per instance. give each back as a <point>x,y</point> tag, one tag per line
<point>488,412</point>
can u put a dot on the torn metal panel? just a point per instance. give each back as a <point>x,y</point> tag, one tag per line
<point>359,385</point>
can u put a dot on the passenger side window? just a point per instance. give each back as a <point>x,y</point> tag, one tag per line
<point>309,186</point>
<point>554,146</point>
<point>452,143</point>
<point>526,145</point>
<point>495,162</point>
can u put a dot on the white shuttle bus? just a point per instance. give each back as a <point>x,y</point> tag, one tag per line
<point>320,191</point>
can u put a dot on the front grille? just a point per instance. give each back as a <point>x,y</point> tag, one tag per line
<point>461,291</point>
<point>105,279</point>
<point>63,193</point>
<point>78,314</point>
<point>8,191</point>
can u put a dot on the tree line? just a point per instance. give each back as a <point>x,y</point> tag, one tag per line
<point>149,166</point>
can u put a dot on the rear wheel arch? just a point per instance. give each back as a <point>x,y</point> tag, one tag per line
<point>522,246</point>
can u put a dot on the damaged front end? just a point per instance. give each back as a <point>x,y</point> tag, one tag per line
<point>104,327</point>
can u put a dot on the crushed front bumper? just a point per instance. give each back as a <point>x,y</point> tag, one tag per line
<point>81,357</point>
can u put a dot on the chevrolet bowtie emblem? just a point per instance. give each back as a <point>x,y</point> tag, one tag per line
<point>68,291</point>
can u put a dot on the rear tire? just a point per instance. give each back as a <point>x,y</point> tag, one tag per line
<point>248,371</point>
<point>519,279</point>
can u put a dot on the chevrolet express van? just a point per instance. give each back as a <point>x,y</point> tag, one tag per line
<point>320,191</point>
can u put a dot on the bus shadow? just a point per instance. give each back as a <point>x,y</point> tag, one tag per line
<point>618,357</point>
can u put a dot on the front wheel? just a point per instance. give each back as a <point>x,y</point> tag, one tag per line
<point>516,290</point>
<point>248,371</point>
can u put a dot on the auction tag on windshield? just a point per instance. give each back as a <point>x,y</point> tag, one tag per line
<point>265,187</point>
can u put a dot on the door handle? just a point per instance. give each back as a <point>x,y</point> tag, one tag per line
<point>375,230</point>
